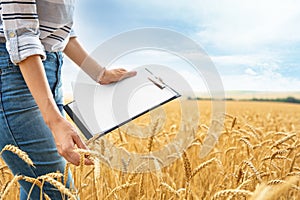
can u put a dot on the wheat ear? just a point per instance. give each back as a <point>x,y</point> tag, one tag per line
<point>201,166</point>
<point>233,123</point>
<point>283,140</point>
<point>66,173</point>
<point>169,188</point>
<point>58,185</point>
<point>24,156</point>
<point>121,187</point>
<point>136,172</point>
<point>34,182</point>
<point>11,183</point>
<point>141,186</point>
<point>231,192</point>
<point>187,166</point>
<point>251,166</point>
<point>188,172</point>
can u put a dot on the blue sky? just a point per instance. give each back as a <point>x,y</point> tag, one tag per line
<point>254,44</point>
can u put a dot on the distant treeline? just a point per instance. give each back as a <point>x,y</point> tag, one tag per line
<point>286,100</point>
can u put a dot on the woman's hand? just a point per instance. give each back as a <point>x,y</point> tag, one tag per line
<point>114,75</point>
<point>67,141</point>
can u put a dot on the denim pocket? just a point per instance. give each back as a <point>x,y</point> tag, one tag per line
<point>16,96</point>
<point>14,88</point>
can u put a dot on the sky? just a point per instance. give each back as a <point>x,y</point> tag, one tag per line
<point>254,44</point>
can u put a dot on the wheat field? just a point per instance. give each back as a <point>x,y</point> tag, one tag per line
<point>256,157</point>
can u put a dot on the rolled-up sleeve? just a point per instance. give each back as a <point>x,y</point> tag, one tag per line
<point>73,33</point>
<point>21,29</point>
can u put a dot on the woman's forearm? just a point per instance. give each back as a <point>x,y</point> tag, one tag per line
<point>65,135</point>
<point>76,52</point>
<point>34,75</point>
<point>79,56</point>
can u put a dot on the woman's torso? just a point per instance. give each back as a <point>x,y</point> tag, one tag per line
<point>55,20</point>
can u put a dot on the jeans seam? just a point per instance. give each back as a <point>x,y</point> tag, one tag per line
<point>57,75</point>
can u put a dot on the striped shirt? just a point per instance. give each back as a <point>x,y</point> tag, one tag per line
<point>32,27</point>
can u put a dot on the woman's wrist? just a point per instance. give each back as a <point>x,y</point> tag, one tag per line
<point>101,75</point>
<point>50,113</point>
<point>53,119</point>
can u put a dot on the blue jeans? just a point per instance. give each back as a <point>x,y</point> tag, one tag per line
<point>22,125</point>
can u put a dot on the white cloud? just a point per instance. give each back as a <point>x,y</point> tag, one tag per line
<point>255,72</point>
<point>231,24</point>
<point>239,59</point>
<point>248,25</point>
<point>250,72</point>
<point>260,83</point>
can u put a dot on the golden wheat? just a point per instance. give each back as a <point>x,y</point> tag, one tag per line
<point>58,185</point>
<point>256,157</point>
<point>121,187</point>
<point>231,192</point>
<point>169,188</point>
<point>23,155</point>
<point>7,188</point>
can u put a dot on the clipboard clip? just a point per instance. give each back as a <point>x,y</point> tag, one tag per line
<point>156,80</point>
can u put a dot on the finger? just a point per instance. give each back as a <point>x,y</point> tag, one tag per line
<point>73,157</point>
<point>128,74</point>
<point>80,144</point>
<point>121,70</point>
<point>87,161</point>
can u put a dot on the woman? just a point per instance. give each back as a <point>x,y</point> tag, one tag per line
<point>33,35</point>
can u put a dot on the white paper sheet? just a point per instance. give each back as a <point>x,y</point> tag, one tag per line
<point>101,108</point>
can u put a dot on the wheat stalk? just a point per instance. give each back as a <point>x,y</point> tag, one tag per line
<point>244,183</point>
<point>187,166</point>
<point>253,130</point>
<point>66,173</point>
<point>188,172</point>
<point>97,168</point>
<point>293,163</point>
<point>58,185</point>
<point>233,192</point>
<point>151,138</point>
<point>9,186</point>
<point>256,172</point>
<point>34,182</point>
<point>121,187</point>
<point>24,156</point>
<point>278,152</point>
<point>248,133</point>
<point>274,188</point>
<point>230,149</point>
<point>283,140</point>
<point>201,166</point>
<point>233,123</point>
<point>141,186</point>
<point>248,144</point>
<point>293,174</point>
<point>229,115</point>
<point>136,172</point>
<point>169,188</point>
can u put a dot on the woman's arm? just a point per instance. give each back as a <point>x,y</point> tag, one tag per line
<point>77,53</point>
<point>65,135</point>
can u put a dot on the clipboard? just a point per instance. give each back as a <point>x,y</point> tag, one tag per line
<point>107,107</point>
